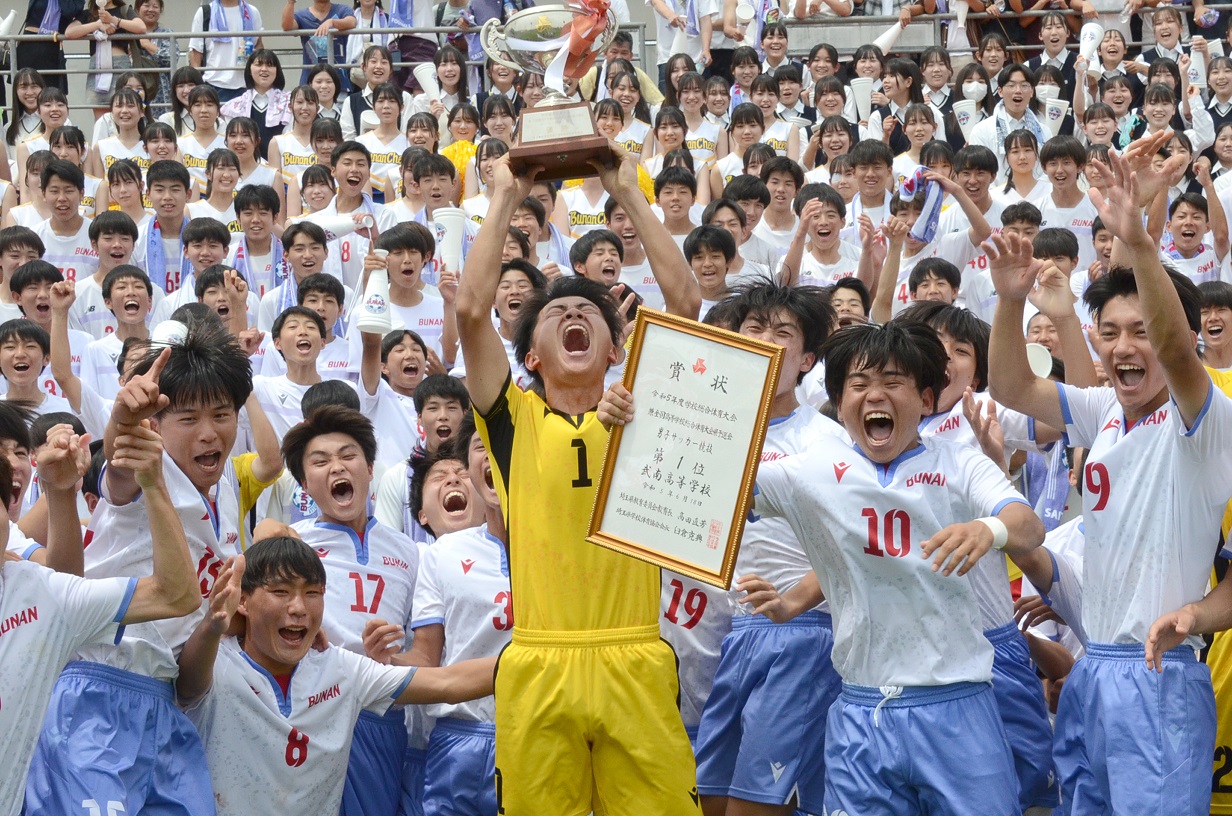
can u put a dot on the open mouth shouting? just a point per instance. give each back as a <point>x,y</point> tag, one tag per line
<point>342,491</point>
<point>1128,375</point>
<point>209,463</point>
<point>878,428</point>
<point>456,503</point>
<point>576,338</point>
<point>293,636</point>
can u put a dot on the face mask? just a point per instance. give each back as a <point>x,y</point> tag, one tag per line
<point>975,91</point>
<point>1046,92</point>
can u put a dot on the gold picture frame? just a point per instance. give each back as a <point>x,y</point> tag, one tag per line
<point>679,525</point>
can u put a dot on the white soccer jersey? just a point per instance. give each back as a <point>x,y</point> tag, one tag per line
<point>641,279</point>
<point>1077,220</point>
<point>118,544</point>
<point>694,618</point>
<point>394,414</point>
<point>464,585</point>
<point>260,267</point>
<point>348,251</point>
<point>89,312</point>
<point>393,504</point>
<point>1152,500</point>
<point>71,254</point>
<point>896,622</point>
<point>769,547</point>
<point>336,361</point>
<point>273,753</point>
<point>271,303</point>
<point>779,239</point>
<point>281,400</point>
<point>368,577</point>
<point>45,617</point>
<point>98,370</point>
<point>427,319</point>
<point>1202,267</point>
<point>1065,543</point>
<point>813,271</point>
<point>953,219</point>
<point>955,247</point>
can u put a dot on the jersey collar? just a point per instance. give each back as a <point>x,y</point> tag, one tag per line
<point>360,542</point>
<point>885,473</point>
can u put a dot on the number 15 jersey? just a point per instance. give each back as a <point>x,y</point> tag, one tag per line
<point>546,466</point>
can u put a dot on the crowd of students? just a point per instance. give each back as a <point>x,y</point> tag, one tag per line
<point>965,587</point>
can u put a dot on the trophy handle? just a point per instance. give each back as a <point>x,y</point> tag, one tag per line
<point>493,41</point>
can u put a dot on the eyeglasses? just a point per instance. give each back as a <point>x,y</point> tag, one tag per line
<point>1017,86</point>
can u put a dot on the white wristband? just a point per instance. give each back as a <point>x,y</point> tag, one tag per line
<point>1000,533</point>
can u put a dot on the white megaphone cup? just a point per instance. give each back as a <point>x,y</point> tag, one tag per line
<point>964,112</point>
<point>7,24</point>
<point>887,39</point>
<point>680,42</point>
<point>335,226</point>
<point>1089,38</point>
<point>425,72</point>
<point>1054,112</point>
<point>451,229</point>
<point>374,315</point>
<point>744,15</point>
<point>862,90</point>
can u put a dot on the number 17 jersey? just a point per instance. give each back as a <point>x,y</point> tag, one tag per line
<point>546,467</point>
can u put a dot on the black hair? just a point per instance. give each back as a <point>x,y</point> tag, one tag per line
<point>538,281</point>
<point>182,76</point>
<point>337,393</point>
<point>126,348</point>
<point>206,230</point>
<point>809,305</point>
<point>934,150</point>
<point>314,174</point>
<point>123,272</point>
<point>458,57</point>
<point>22,237</point>
<point>579,253</point>
<point>1053,241</point>
<point>308,229</point>
<point>520,238</point>
<point>70,135</point>
<point>421,466</point>
<point>823,193</point>
<point>407,238</point>
<point>433,164</point>
<point>204,93</point>
<point>1021,212</point>
<point>724,203</point>
<point>89,480</point>
<point>112,222</point>
<point>675,175</point>
<point>23,329</point>
<point>33,273</point>
<point>564,287</point>
<point>125,169</point>
<point>442,386</point>
<point>324,420</point>
<point>395,337</point>
<point>257,197</point>
<point>960,324</point>
<point>351,146</point>
<point>323,128</point>
<point>782,164</point>
<point>209,278</point>
<point>1215,295</point>
<point>856,285</point>
<point>709,237</point>
<point>280,559</point>
<point>168,170</point>
<point>1195,200</point>
<point>747,188</point>
<point>296,311</point>
<point>910,344</point>
<point>536,209</point>
<point>15,419</point>
<point>1119,282</point>
<point>334,76</point>
<point>45,422</point>
<point>1063,147</point>
<point>681,158</point>
<point>65,171</point>
<point>207,365</point>
<point>871,151</point>
<point>321,283</point>
<point>24,76</point>
<point>196,312</point>
<point>266,56</point>
<point>976,157</point>
<point>936,267</point>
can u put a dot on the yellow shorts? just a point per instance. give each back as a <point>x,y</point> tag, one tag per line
<point>1219,659</point>
<point>591,722</point>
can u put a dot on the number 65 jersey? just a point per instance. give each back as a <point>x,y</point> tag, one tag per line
<point>896,622</point>
<point>1152,501</point>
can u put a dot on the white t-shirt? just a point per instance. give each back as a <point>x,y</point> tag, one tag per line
<point>71,254</point>
<point>89,312</point>
<point>1152,502</point>
<point>1077,220</point>
<point>956,247</point>
<point>45,618</point>
<point>427,319</point>
<point>780,239</point>
<point>1202,267</point>
<point>336,361</point>
<point>694,618</point>
<point>372,577</point>
<point>394,415</point>
<point>226,52</point>
<point>814,272</point>
<point>119,544</point>
<point>271,303</point>
<point>896,622</point>
<point>274,753</point>
<point>98,370</point>
<point>281,400</point>
<point>464,585</point>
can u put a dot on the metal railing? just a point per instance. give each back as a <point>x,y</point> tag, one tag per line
<point>846,33</point>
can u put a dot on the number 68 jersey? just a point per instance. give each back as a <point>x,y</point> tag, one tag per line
<point>896,622</point>
<point>366,577</point>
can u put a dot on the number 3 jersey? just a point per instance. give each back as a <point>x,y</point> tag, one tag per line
<point>366,577</point>
<point>119,545</point>
<point>463,585</point>
<point>270,752</point>
<point>896,622</point>
<point>1152,500</point>
<point>546,466</point>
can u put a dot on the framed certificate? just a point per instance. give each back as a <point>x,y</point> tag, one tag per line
<point>677,481</point>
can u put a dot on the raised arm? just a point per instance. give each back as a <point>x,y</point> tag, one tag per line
<point>268,464</point>
<point>1054,297</point>
<point>789,269</point>
<point>681,295</point>
<point>1010,380</point>
<point>62,461</point>
<point>487,367</point>
<point>1167,329</point>
<point>883,299</point>
<point>138,400</point>
<point>62,296</point>
<point>197,658</point>
<point>1216,216</point>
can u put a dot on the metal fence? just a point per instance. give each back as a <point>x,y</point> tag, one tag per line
<point>845,33</point>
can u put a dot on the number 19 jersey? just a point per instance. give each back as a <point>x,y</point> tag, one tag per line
<point>546,466</point>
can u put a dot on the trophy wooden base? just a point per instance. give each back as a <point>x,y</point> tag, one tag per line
<point>562,138</point>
